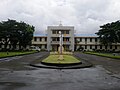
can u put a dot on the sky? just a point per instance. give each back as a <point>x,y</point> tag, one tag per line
<point>85,15</point>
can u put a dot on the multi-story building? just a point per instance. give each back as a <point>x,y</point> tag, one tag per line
<point>71,41</point>
<point>40,41</point>
<point>53,38</point>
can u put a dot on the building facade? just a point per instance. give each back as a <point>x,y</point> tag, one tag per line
<point>53,38</point>
<point>71,41</point>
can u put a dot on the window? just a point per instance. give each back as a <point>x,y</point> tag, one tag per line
<point>67,32</point>
<point>57,31</point>
<point>45,46</point>
<point>110,46</point>
<point>95,39</point>
<point>53,32</point>
<point>40,46</point>
<point>85,39</point>
<point>53,39</point>
<point>80,39</point>
<point>85,46</point>
<point>58,39</point>
<point>95,46</point>
<point>106,47</point>
<point>65,39</point>
<point>100,46</point>
<point>35,38</point>
<point>90,46</point>
<point>40,39</point>
<point>115,46</point>
<point>0,45</point>
<point>45,39</point>
<point>61,32</point>
<point>90,39</point>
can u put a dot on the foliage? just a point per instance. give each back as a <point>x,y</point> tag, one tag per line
<point>109,55</point>
<point>109,33</point>
<point>15,33</point>
<point>9,54</point>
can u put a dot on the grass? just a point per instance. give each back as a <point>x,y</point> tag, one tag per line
<point>109,55</point>
<point>64,53</point>
<point>9,54</point>
<point>68,59</point>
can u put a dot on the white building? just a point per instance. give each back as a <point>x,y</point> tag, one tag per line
<point>71,41</point>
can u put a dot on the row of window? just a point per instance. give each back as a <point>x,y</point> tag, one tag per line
<point>86,39</point>
<point>67,39</point>
<point>40,39</point>
<point>85,47</point>
<point>40,46</point>
<point>58,39</point>
<point>62,31</point>
<point>101,47</point>
<point>53,39</point>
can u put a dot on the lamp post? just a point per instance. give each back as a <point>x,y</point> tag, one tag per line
<point>60,35</point>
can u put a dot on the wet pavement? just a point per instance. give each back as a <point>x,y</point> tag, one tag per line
<point>112,65</point>
<point>93,78</point>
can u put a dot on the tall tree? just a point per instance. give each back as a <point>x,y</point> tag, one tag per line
<point>5,34</point>
<point>13,29</point>
<point>26,34</point>
<point>109,33</point>
<point>15,33</point>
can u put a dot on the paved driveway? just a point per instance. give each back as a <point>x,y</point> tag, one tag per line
<point>94,78</point>
<point>112,65</point>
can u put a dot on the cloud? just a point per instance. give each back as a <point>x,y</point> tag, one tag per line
<point>85,15</point>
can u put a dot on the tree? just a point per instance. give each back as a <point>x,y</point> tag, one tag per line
<point>26,34</point>
<point>109,33</point>
<point>15,33</point>
<point>4,34</point>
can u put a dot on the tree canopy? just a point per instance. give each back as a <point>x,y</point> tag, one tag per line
<point>15,33</point>
<point>109,33</point>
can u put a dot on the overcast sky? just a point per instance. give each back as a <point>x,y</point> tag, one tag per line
<point>85,15</point>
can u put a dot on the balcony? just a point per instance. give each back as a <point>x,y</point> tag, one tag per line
<point>58,42</point>
<point>66,42</point>
<point>54,42</point>
<point>57,35</point>
<point>39,42</point>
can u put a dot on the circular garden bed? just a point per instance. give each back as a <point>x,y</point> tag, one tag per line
<point>66,61</point>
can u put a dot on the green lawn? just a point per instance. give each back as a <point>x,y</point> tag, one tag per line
<point>8,54</point>
<point>67,59</point>
<point>109,55</point>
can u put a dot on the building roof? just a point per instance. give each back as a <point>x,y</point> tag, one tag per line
<point>76,35</point>
<point>86,35</point>
<point>40,35</point>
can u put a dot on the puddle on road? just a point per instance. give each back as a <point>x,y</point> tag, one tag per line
<point>55,79</point>
<point>11,85</point>
<point>10,58</point>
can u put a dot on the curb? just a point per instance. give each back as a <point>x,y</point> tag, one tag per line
<point>18,55</point>
<point>82,64</point>
<point>85,64</point>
